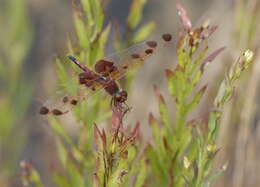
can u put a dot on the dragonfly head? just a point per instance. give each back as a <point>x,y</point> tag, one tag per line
<point>121,96</point>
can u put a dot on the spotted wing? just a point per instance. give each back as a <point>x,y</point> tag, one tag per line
<point>116,65</point>
<point>87,83</point>
<point>112,68</point>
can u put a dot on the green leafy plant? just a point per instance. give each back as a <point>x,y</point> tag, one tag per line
<point>181,151</point>
<point>16,91</point>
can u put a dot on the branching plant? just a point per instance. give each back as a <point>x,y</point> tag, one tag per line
<point>181,151</point>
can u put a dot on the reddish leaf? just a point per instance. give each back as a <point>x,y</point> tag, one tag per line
<point>96,134</point>
<point>117,116</point>
<point>179,68</point>
<point>96,180</point>
<point>180,41</point>
<point>169,73</point>
<point>203,89</point>
<point>97,131</point>
<point>151,119</point>
<point>104,137</point>
<point>212,29</point>
<point>165,143</point>
<point>124,154</point>
<point>185,20</point>
<point>210,58</point>
<point>159,95</point>
<point>136,132</point>
<point>101,135</point>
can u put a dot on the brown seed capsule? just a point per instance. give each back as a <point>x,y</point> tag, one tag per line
<point>135,56</point>
<point>125,67</point>
<point>44,110</point>
<point>152,44</point>
<point>57,112</point>
<point>167,37</point>
<point>74,102</point>
<point>148,51</point>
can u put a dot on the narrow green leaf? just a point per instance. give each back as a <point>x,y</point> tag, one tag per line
<point>82,34</point>
<point>157,167</point>
<point>87,7</point>
<point>135,13</point>
<point>62,152</point>
<point>172,81</point>
<point>99,15</point>
<point>35,178</point>
<point>74,175</point>
<point>57,128</point>
<point>142,174</point>
<point>99,46</point>
<point>196,99</point>
<point>215,175</point>
<point>60,180</point>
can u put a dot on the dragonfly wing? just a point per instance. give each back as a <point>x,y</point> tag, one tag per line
<point>62,102</point>
<point>118,64</point>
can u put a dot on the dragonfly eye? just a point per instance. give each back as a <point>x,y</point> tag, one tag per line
<point>121,96</point>
<point>123,93</point>
<point>44,110</point>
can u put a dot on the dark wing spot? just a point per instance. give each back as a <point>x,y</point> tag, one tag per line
<point>148,51</point>
<point>113,69</point>
<point>74,102</point>
<point>44,110</point>
<point>167,37</point>
<point>152,44</point>
<point>103,66</point>
<point>135,56</point>
<point>57,112</point>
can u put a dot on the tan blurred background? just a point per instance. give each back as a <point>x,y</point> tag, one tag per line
<point>48,23</point>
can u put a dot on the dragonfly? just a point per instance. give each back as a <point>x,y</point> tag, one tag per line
<point>106,73</point>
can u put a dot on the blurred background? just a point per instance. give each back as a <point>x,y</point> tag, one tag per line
<point>33,32</point>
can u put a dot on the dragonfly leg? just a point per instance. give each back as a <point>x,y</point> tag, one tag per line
<point>127,109</point>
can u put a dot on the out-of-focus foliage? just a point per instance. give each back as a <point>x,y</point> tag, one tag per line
<point>238,132</point>
<point>246,23</point>
<point>181,151</point>
<point>15,91</point>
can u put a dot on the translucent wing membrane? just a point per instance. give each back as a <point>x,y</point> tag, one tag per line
<point>104,75</point>
<point>117,65</point>
<point>63,103</point>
